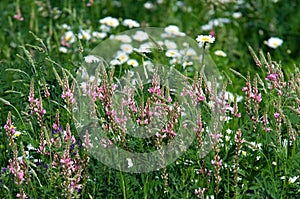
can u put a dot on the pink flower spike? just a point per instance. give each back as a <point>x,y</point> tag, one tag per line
<point>271,77</point>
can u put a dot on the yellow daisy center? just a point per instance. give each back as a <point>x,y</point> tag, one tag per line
<point>205,39</point>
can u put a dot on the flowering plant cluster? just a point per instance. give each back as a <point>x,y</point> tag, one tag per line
<point>222,125</point>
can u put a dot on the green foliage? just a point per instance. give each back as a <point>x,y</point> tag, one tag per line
<point>268,163</point>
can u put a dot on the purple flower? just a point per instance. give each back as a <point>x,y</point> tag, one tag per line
<point>272,77</point>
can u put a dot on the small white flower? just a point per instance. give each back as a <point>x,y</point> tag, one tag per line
<point>254,146</point>
<point>123,38</point>
<point>130,23</point>
<point>210,197</point>
<point>127,48</point>
<point>99,35</point>
<point>132,62</point>
<point>229,96</point>
<point>63,49</point>
<point>228,131</point>
<point>223,20</point>
<point>170,44</point>
<point>129,161</point>
<point>104,28</point>
<point>227,138</point>
<point>190,52</point>
<point>30,147</point>
<point>174,61</point>
<point>84,34</point>
<point>91,59</point>
<point>115,62</point>
<point>173,30</point>
<point>274,42</point>
<point>142,50</point>
<point>69,37</point>
<point>207,27</point>
<point>145,48</point>
<point>66,26</point>
<point>205,39</point>
<point>187,63</point>
<point>274,163</point>
<point>148,5</point>
<point>225,118</point>
<point>237,15</point>
<point>17,134</point>
<point>110,21</point>
<point>122,57</point>
<point>172,53</point>
<point>220,53</point>
<point>140,36</point>
<point>293,179</point>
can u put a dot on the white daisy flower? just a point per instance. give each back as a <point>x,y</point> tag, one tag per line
<point>237,15</point>
<point>172,53</point>
<point>174,61</point>
<point>63,49</point>
<point>274,42</point>
<point>132,62</point>
<point>110,21</point>
<point>17,134</point>
<point>122,57</point>
<point>220,53</point>
<point>228,131</point>
<point>91,59</point>
<point>205,39</point>
<point>123,38</point>
<point>187,63</point>
<point>127,48</point>
<point>142,50</point>
<point>173,30</point>
<point>170,44</point>
<point>293,179</point>
<point>188,52</point>
<point>66,26</point>
<point>115,62</point>
<point>228,96</point>
<point>69,37</point>
<point>104,28</point>
<point>84,34</point>
<point>140,36</point>
<point>148,5</point>
<point>99,35</point>
<point>130,23</point>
